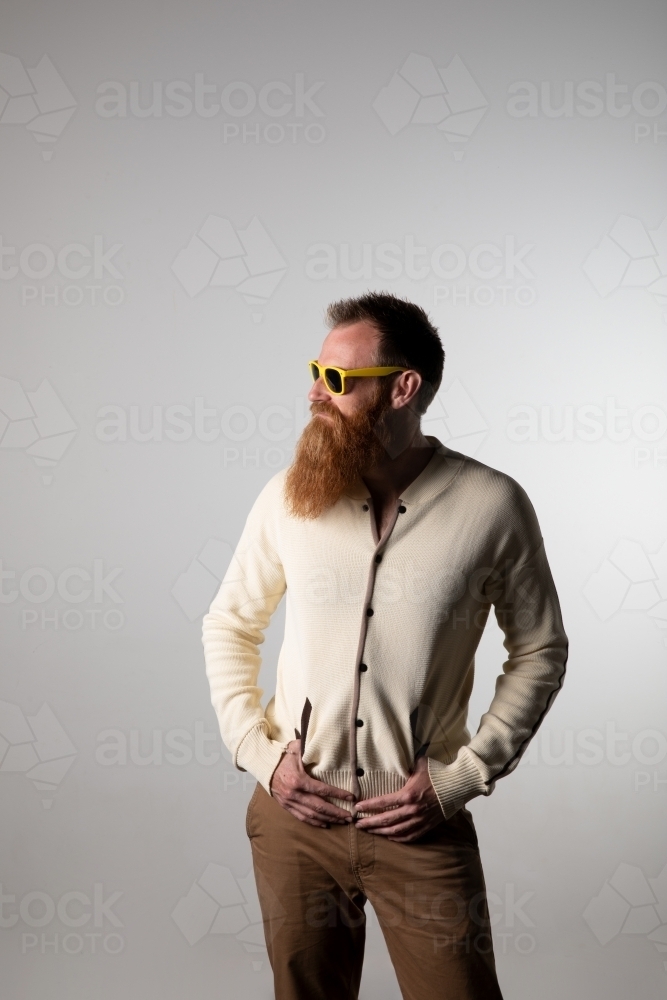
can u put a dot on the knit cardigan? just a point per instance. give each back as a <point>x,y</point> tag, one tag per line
<point>377,662</point>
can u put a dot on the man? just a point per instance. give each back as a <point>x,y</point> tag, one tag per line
<point>392,549</point>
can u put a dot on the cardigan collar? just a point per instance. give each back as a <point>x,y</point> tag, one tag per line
<point>434,477</point>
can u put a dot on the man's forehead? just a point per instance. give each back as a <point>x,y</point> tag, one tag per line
<point>353,338</point>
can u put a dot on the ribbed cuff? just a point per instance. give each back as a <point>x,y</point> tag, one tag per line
<point>259,755</point>
<point>456,783</point>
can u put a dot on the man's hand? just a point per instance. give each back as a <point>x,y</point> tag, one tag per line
<point>404,815</point>
<point>305,797</point>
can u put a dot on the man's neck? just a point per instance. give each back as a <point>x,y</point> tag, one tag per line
<point>388,479</point>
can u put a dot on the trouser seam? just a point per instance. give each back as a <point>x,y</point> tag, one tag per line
<point>357,878</point>
<point>355,869</point>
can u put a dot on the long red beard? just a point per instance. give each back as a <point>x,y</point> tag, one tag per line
<point>331,454</point>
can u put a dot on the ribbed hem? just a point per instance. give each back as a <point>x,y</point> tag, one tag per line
<point>260,755</point>
<point>371,783</point>
<point>456,783</point>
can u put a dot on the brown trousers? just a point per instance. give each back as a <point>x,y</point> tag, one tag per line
<point>429,896</point>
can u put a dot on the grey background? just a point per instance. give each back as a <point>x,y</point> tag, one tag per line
<point>574,837</point>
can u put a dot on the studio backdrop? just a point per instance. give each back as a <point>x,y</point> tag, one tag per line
<point>185,187</point>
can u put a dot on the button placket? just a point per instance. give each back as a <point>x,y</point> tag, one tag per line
<point>363,667</point>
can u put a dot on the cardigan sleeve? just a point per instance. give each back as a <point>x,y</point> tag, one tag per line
<point>527,609</point>
<point>233,630</point>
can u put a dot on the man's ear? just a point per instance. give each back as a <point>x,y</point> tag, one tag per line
<point>411,401</point>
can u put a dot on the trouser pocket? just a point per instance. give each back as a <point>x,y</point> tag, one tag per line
<point>305,719</point>
<point>253,799</point>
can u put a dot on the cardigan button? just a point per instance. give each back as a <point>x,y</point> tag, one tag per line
<point>360,722</point>
<point>365,507</point>
<point>402,509</point>
<point>363,667</point>
<point>378,559</point>
<point>360,772</point>
<point>369,612</point>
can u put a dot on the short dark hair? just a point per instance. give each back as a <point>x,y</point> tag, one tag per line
<point>407,337</point>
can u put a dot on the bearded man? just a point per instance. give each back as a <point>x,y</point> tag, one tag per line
<point>391,549</point>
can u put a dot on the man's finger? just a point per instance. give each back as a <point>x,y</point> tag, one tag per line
<point>407,839</point>
<point>380,802</point>
<point>398,830</point>
<point>303,817</point>
<point>384,819</point>
<point>302,791</point>
<point>311,815</point>
<point>322,789</point>
<point>320,806</point>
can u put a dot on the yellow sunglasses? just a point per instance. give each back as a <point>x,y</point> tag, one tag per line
<point>334,378</point>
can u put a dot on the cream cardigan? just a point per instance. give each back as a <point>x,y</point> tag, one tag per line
<point>377,662</point>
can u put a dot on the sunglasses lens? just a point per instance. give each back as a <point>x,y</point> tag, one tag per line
<point>333,379</point>
<point>314,372</point>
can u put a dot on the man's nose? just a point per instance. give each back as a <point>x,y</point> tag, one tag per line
<point>318,392</point>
